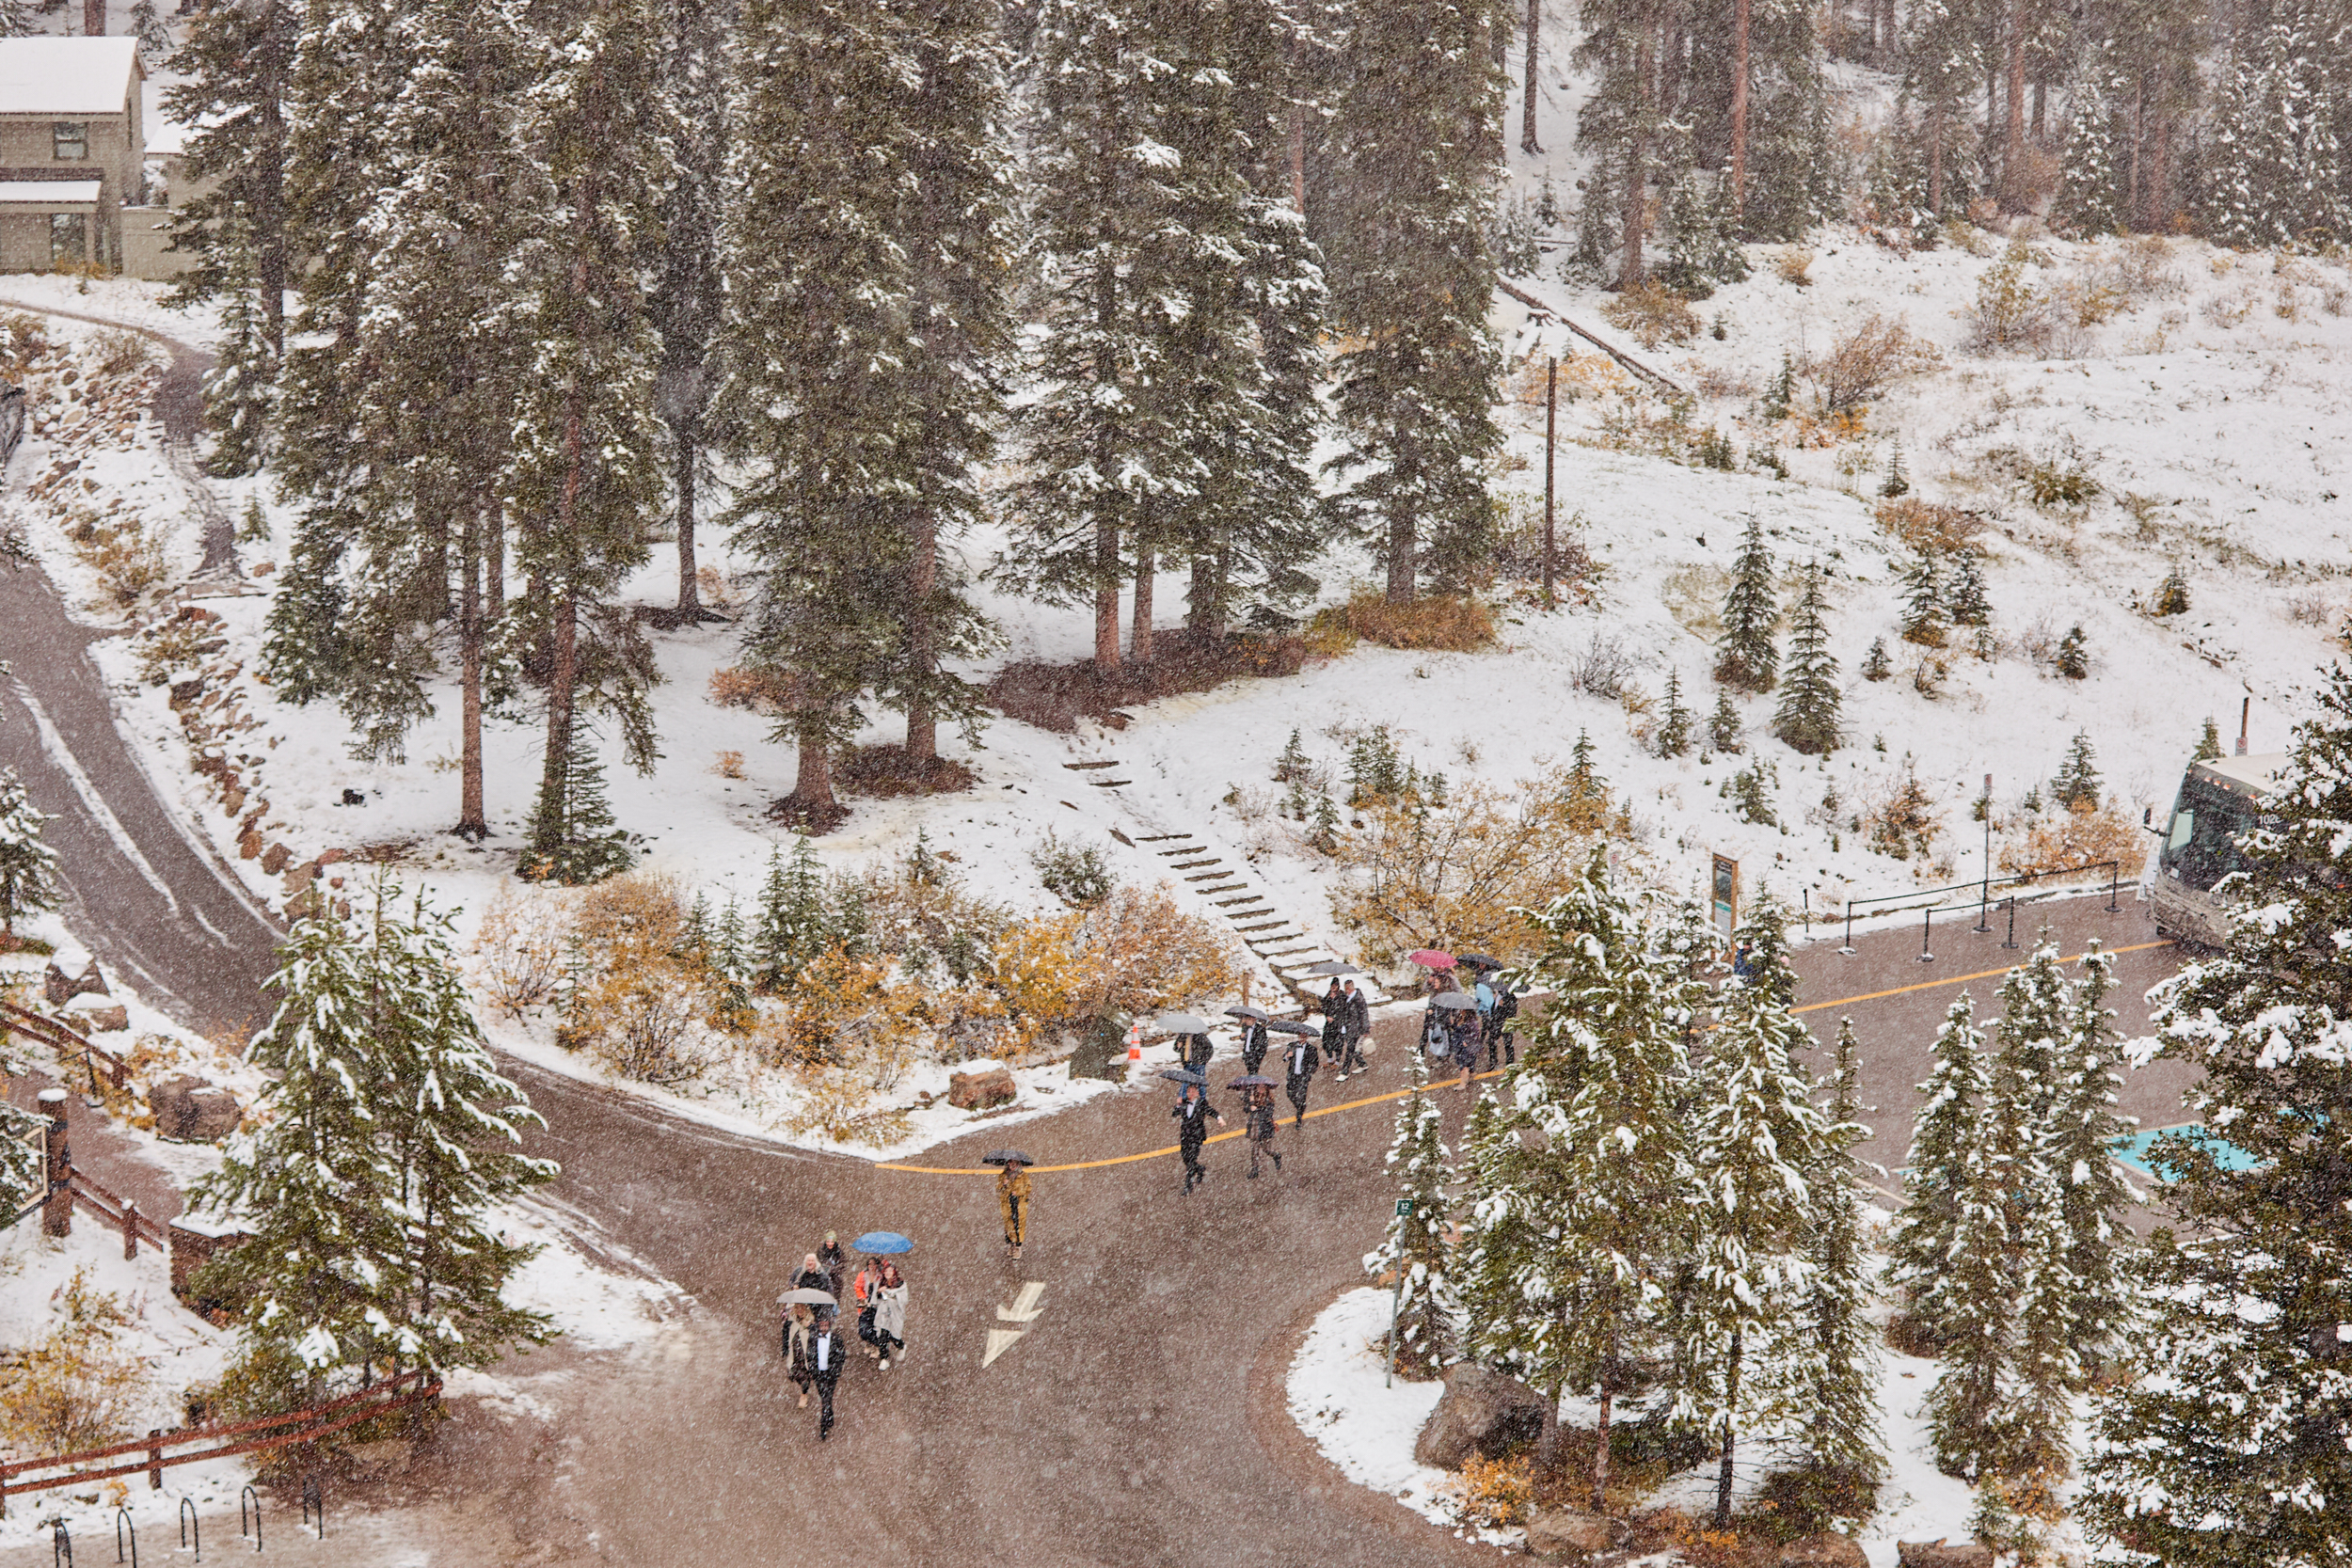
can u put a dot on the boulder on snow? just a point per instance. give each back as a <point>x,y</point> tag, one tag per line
<point>1481,1413</point>
<point>100,1018</point>
<point>1570,1535</point>
<point>190,1111</point>
<point>57,989</point>
<point>972,1091</point>
<point>273,859</point>
<point>1825,1550</point>
<point>249,844</point>
<point>1941,1554</point>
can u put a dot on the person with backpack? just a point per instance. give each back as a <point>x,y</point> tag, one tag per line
<point>1500,1034</point>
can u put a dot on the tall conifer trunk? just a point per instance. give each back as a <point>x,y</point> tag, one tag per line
<point>1140,640</point>
<point>922,651</point>
<point>1527,109</point>
<point>473,822</point>
<point>1400,546</point>
<point>2013,193</point>
<point>812,778</point>
<point>1636,161</point>
<point>1731,1405</point>
<point>1740,19</point>
<point>684,464</point>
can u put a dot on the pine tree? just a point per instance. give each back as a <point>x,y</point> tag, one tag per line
<point>1585,780</point>
<point>2090,194</point>
<point>2073,657</point>
<point>2208,742</point>
<point>1968,604</point>
<point>28,867</point>
<point>1756,1142</point>
<point>386,1135</point>
<point>2076,786</point>
<point>2172,594</point>
<point>23,1165</point>
<point>1825,1383</point>
<point>1923,602</point>
<point>1627,123</point>
<point>1409,141</point>
<point>2086,1133</point>
<point>233,83</point>
<point>1875,665</point>
<point>1675,724</point>
<point>147,25</point>
<point>793,929</point>
<point>1325,833</point>
<point>2275,173</point>
<point>572,837</point>
<point>1578,1232</point>
<point>1898,482</point>
<point>730,960</point>
<point>584,473</point>
<point>1748,660</point>
<point>2228,1447</point>
<point>1724,729</point>
<point>1806,720</point>
<point>1291,768</point>
<point>1921,1243</point>
<point>1415,1247</point>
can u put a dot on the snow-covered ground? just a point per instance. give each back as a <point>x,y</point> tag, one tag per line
<point>1367,1430</point>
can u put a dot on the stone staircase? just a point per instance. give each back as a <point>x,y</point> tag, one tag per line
<point>1232,892</point>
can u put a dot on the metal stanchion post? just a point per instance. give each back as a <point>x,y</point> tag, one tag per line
<point>2012,922</point>
<point>1927,919</point>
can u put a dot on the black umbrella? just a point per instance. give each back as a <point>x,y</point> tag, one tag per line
<point>1251,1081</point>
<point>1182,1023</point>
<point>1183,1075</point>
<point>1250,1015</point>
<point>1291,1026</point>
<point>1455,1000</point>
<point>1480,960</point>
<point>1006,1157</point>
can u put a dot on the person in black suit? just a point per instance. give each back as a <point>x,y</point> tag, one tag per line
<point>825,1355</point>
<point>1253,1047</point>
<point>1298,1074</point>
<point>1193,1115</point>
<point>1354,1023</point>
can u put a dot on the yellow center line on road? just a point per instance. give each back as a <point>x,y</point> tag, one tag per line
<point>1399,1094</point>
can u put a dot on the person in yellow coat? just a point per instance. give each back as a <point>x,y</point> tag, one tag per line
<point>1012,1197</point>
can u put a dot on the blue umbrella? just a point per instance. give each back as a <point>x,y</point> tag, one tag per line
<point>880,1242</point>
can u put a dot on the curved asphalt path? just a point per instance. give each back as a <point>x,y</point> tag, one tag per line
<point>1141,1418</point>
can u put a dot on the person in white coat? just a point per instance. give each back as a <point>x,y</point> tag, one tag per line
<point>890,1315</point>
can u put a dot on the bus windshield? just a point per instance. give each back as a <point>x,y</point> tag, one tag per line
<point>2206,821</point>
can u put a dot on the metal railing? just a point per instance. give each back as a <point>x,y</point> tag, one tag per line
<point>1934,899</point>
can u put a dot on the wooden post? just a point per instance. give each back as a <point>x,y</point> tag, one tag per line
<point>56,1168</point>
<point>130,1233</point>
<point>154,1459</point>
<point>1552,439</point>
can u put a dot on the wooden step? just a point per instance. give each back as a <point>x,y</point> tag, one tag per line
<point>1206,877</point>
<point>1161,838</point>
<point>1268,925</point>
<point>1211,892</point>
<point>1196,864</point>
<point>1109,783</point>
<point>1082,767</point>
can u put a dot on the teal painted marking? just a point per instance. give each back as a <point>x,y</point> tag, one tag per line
<point>2135,1150</point>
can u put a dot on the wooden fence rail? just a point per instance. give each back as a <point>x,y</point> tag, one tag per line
<point>51,1033</point>
<point>319,1421</point>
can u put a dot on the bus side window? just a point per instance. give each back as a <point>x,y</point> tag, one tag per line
<point>2183,824</point>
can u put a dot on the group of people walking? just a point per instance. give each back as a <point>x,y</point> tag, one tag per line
<point>1454,1035</point>
<point>1346,1021</point>
<point>814,1350</point>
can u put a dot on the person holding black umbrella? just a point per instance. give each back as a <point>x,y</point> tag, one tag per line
<point>800,1332</point>
<point>1258,1112</point>
<point>824,1362</point>
<point>1253,1045</point>
<point>1354,1023</point>
<point>1193,1114</point>
<point>1298,1074</point>
<point>1012,1198</point>
<point>1334,1023</point>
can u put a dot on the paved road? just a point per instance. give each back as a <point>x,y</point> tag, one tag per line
<point>1139,1421</point>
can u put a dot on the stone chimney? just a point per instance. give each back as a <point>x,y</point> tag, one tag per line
<point>94,19</point>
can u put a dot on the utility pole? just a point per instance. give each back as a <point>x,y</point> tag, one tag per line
<point>1552,441</point>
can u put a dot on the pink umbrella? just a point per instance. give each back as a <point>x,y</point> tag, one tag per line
<point>1429,957</point>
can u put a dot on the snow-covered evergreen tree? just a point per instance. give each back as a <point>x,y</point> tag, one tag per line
<point>1922,1241</point>
<point>1823,1383</point>
<point>2229,1446</point>
<point>385,1136</point>
<point>1409,142</point>
<point>1725,732</point>
<point>232,80</point>
<point>1587,1222</point>
<point>23,1163</point>
<point>1675,723</point>
<point>1807,716</point>
<point>1875,665</point>
<point>1747,658</point>
<point>2275,171</point>
<point>2090,194</point>
<point>1942,68</point>
<point>2086,1133</point>
<point>2076,785</point>
<point>2208,742</point>
<point>792,927</point>
<point>572,837</point>
<point>1966,603</point>
<point>1923,602</point>
<point>28,867</point>
<point>1428,1312</point>
<point>1755,1141</point>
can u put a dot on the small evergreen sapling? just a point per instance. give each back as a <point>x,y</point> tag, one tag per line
<point>2208,743</point>
<point>1747,660</point>
<point>792,928</point>
<point>1750,792</point>
<point>28,867</point>
<point>1324,834</point>
<point>1414,1251</point>
<point>572,837</point>
<point>1968,606</point>
<point>2076,786</point>
<point>1675,723</point>
<point>1723,730</point>
<point>20,1157</point>
<point>2172,594</point>
<point>1875,664</point>
<point>1923,603</point>
<point>1896,483</point>
<point>1806,720</point>
<point>1291,767</point>
<point>2073,657</point>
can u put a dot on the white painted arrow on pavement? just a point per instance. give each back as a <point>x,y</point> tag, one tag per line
<point>1026,1305</point>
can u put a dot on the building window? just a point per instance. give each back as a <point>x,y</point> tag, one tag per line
<point>70,139</point>
<point>68,238</point>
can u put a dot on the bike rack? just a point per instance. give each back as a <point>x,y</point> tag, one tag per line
<point>122,1522</point>
<point>255,1498</point>
<point>60,1544</point>
<point>190,1526</point>
<point>314,1497</point>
